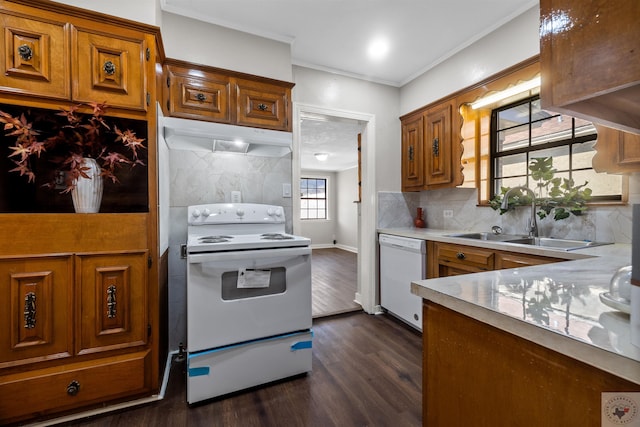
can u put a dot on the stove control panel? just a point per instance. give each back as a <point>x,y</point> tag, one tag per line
<point>235,213</point>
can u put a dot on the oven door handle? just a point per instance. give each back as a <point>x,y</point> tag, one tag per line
<point>197,258</point>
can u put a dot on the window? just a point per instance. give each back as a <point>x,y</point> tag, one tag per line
<point>313,198</point>
<point>523,130</point>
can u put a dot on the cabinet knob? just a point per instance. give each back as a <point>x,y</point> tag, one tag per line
<point>73,388</point>
<point>200,97</point>
<point>262,107</point>
<point>436,147</point>
<point>109,68</point>
<point>461,255</point>
<point>25,52</point>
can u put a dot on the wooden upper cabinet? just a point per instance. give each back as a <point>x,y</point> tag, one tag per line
<point>198,95</point>
<point>438,146</point>
<point>431,148</point>
<point>589,60</point>
<point>35,59</point>
<point>200,92</point>
<point>109,68</point>
<point>263,105</point>
<point>616,151</point>
<point>412,154</point>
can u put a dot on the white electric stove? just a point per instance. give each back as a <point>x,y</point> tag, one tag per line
<point>248,299</point>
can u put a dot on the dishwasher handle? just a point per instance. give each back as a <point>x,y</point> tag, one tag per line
<point>402,243</point>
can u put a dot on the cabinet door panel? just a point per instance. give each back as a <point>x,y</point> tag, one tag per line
<point>438,146</point>
<point>36,57</point>
<point>38,309</point>
<point>262,105</point>
<point>113,296</point>
<point>109,69</point>
<point>412,154</point>
<point>204,98</point>
<point>588,56</point>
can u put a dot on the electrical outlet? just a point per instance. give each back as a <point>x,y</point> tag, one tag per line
<point>447,213</point>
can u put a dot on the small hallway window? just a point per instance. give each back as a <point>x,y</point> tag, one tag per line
<point>313,198</point>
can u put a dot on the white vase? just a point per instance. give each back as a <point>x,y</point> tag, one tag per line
<point>87,194</point>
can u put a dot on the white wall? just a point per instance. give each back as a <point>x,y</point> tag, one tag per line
<point>203,43</point>
<point>146,11</point>
<point>327,90</point>
<point>508,45</point>
<point>347,210</point>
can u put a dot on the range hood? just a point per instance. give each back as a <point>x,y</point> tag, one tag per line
<point>196,135</point>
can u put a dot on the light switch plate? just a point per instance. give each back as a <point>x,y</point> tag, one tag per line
<point>286,190</point>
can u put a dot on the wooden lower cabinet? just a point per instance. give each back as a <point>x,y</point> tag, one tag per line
<point>477,375</point>
<point>75,332</point>
<point>449,259</point>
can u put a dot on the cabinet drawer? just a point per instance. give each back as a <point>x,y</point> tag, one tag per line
<point>36,57</point>
<point>45,390</point>
<point>515,260</point>
<point>475,259</point>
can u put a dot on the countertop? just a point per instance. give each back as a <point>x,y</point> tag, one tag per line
<point>554,305</point>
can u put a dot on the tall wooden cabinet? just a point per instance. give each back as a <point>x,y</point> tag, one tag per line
<point>80,324</point>
<point>589,60</point>
<point>431,148</point>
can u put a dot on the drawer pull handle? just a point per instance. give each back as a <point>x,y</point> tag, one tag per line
<point>25,52</point>
<point>262,107</point>
<point>411,153</point>
<point>73,388</point>
<point>460,255</point>
<point>200,97</point>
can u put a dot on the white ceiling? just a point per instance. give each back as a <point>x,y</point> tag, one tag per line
<point>325,134</point>
<point>334,35</point>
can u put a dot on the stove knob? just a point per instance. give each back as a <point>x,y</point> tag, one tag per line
<point>206,212</point>
<point>279,213</point>
<point>195,213</point>
<point>271,212</point>
<point>240,213</point>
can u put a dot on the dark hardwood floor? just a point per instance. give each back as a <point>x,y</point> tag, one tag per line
<point>334,281</point>
<point>366,372</point>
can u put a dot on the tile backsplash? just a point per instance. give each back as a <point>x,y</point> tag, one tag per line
<point>601,223</point>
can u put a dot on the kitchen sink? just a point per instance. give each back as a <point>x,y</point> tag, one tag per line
<point>546,242</point>
<point>562,244</point>
<point>489,236</point>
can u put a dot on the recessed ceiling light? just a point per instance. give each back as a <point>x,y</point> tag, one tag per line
<point>378,48</point>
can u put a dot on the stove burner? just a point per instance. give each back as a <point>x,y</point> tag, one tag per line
<point>275,236</point>
<point>214,239</point>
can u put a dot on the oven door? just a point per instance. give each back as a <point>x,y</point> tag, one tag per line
<point>239,296</point>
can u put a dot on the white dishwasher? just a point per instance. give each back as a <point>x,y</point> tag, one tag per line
<point>402,260</point>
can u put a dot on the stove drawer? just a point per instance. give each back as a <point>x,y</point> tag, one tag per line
<point>228,369</point>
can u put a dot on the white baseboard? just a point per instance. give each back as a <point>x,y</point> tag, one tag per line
<point>339,246</point>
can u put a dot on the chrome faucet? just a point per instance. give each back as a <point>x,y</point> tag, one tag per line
<point>533,224</point>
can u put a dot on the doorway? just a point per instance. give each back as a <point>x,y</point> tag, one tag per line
<point>323,120</point>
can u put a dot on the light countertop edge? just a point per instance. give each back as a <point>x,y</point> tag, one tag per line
<point>580,269</point>
<point>607,361</point>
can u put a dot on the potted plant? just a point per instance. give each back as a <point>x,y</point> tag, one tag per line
<point>85,149</point>
<point>556,197</point>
